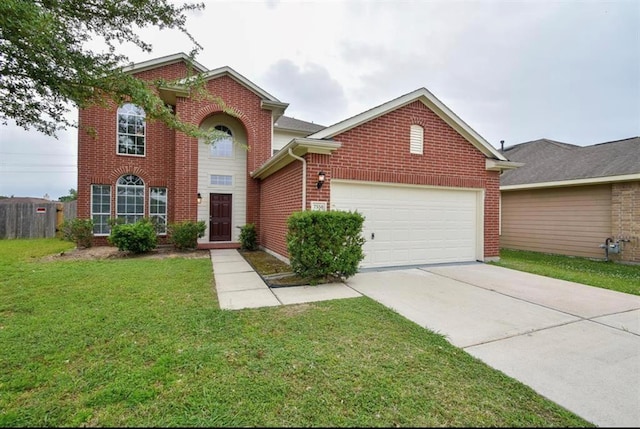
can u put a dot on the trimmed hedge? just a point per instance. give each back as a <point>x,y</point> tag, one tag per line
<point>184,235</point>
<point>139,237</point>
<point>79,231</point>
<point>248,237</point>
<point>325,244</point>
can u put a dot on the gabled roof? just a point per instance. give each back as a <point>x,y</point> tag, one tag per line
<point>295,149</point>
<point>268,101</point>
<point>550,163</point>
<point>228,71</point>
<point>429,100</point>
<point>164,61</point>
<point>297,125</point>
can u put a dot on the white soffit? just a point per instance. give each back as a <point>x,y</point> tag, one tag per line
<point>299,147</point>
<point>163,61</point>
<point>497,165</point>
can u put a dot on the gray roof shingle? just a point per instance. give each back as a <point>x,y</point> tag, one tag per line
<point>287,123</point>
<point>550,161</point>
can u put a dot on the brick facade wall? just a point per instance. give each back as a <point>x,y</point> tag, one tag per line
<point>171,158</point>
<point>375,151</point>
<point>625,220</point>
<point>378,151</point>
<point>280,195</point>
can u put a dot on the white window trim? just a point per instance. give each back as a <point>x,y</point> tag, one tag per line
<point>166,207</point>
<point>102,234</point>
<point>416,139</point>
<point>141,215</point>
<point>118,133</point>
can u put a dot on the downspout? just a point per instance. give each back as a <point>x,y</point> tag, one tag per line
<point>304,178</point>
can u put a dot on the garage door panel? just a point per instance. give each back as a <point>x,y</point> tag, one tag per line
<point>412,225</point>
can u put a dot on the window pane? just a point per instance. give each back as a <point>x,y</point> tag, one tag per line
<point>221,180</point>
<point>130,198</point>
<point>158,209</point>
<point>100,208</point>
<point>131,130</point>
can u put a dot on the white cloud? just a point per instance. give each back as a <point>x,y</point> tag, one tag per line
<point>313,89</point>
<point>568,70</point>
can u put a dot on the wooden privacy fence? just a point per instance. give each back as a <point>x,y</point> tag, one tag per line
<point>26,219</point>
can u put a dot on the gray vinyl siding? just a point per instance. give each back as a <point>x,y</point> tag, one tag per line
<point>569,221</point>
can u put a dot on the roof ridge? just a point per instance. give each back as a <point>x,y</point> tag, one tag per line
<point>616,141</point>
<point>562,145</point>
<point>301,120</point>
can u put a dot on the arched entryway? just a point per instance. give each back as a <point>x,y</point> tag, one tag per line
<point>222,180</point>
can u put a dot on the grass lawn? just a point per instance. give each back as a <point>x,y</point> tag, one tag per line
<point>607,275</point>
<point>143,342</point>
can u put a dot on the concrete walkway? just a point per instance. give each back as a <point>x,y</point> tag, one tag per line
<point>239,286</point>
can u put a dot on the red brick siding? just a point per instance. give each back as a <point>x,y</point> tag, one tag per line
<point>315,164</point>
<point>171,157</point>
<point>492,215</point>
<point>169,72</point>
<point>378,151</point>
<point>281,195</point>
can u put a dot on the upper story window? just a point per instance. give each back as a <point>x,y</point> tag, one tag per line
<point>416,138</point>
<point>223,147</point>
<point>131,130</point>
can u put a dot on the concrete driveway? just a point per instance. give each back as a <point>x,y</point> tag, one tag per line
<point>574,344</point>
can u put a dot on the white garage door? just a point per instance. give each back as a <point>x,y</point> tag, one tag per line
<point>411,225</point>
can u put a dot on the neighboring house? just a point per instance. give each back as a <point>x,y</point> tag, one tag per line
<point>426,182</point>
<point>569,199</point>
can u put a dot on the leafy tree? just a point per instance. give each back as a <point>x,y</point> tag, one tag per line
<point>45,62</point>
<point>73,195</point>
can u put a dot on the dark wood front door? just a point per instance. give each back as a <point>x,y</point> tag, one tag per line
<point>220,217</point>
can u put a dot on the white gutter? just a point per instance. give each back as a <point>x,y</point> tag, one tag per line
<point>499,165</point>
<point>574,182</point>
<point>304,178</point>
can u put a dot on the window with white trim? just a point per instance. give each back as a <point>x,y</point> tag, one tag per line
<point>158,209</point>
<point>101,209</point>
<point>223,147</point>
<point>131,130</point>
<point>130,198</point>
<point>221,180</point>
<point>416,138</point>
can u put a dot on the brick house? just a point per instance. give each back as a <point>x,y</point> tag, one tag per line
<point>427,183</point>
<point>569,199</point>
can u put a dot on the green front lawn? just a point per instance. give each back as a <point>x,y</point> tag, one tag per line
<point>607,275</point>
<point>143,342</point>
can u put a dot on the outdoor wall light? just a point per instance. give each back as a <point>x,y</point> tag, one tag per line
<point>320,179</point>
<point>199,198</point>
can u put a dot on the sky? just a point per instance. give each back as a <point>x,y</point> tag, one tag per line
<point>517,70</point>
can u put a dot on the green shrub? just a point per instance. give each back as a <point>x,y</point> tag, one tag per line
<point>79,231</point>
<point>325,244</point>
<point>184,235</point>
<point>139,237</point>
<point>248,237</point>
